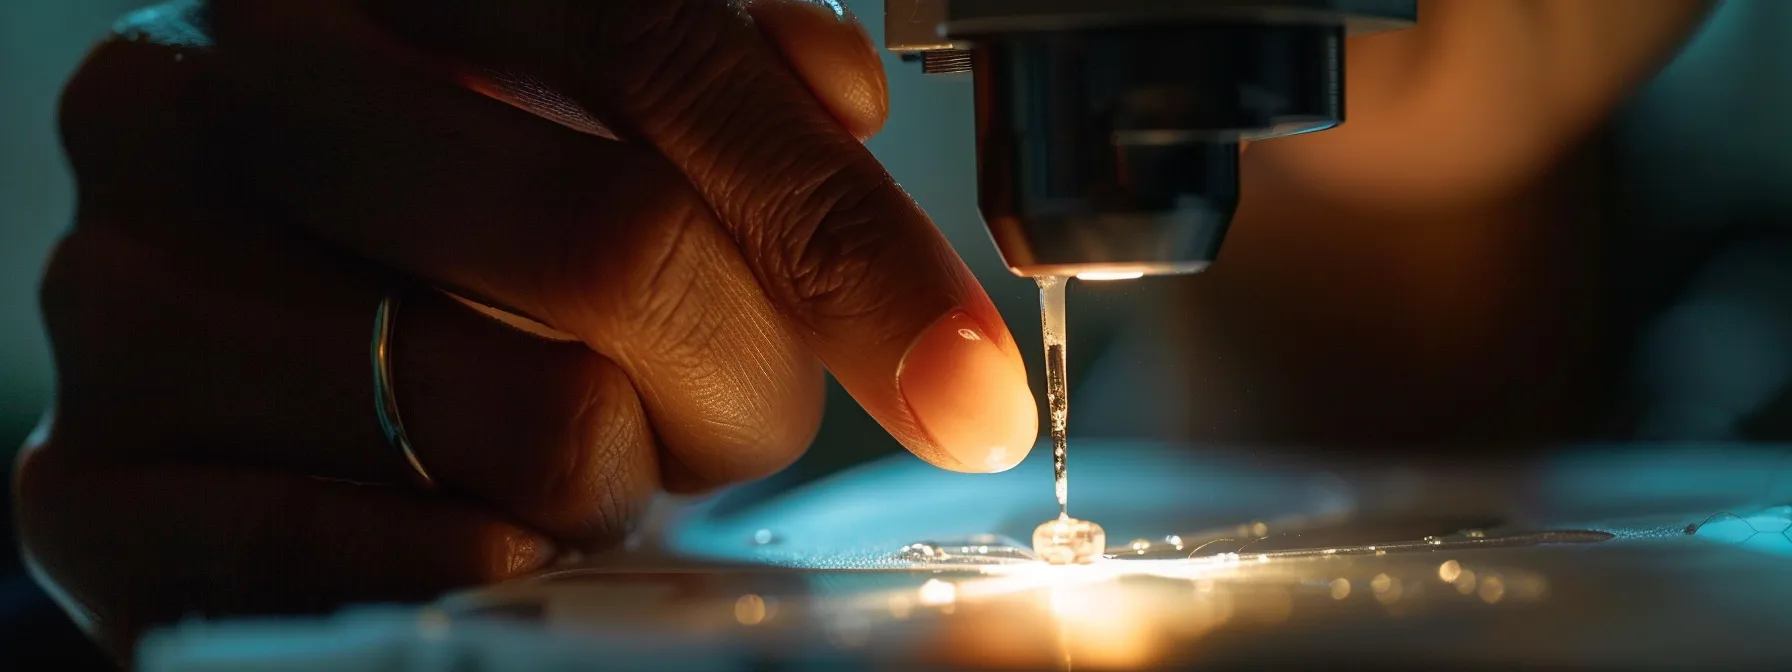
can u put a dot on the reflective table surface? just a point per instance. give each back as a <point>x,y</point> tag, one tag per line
<point>1645,556</point>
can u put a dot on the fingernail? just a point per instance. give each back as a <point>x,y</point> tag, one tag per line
<point>969,395</point>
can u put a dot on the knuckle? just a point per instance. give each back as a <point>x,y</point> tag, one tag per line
<point>655,48</point>
<point>824,260</point>
<point>660,306</point>
<point>764,427</point>
<point>499,552</point>
<point>591,483</point>
<point>34,477</point>
<point>136,95</point>
<point>635,273</point>
<point>82,282</point>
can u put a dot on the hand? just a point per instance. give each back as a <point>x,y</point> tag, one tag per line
<point>255,175</point>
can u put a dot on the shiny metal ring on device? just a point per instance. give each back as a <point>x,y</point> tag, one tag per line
<point>385,401</point>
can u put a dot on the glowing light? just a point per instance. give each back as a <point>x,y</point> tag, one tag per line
<point>937,593</point>
<point>1174,540</point>
<point>1104,276</point>
<point>750,610</point>
<point>901,607</point>
<point>763,537</point>
<point>1528,587</point>
<point>1100,629</point>
<point>1449,571</point>
<point>1139,546</point>
<point>1340,588</point>
<point>1492,590</point>
<point>1465,583</point>
<point>1387,589</point>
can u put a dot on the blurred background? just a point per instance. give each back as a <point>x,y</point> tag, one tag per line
<point>1701,157</point>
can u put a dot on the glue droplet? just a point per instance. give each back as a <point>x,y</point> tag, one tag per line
<point>1065,541</point>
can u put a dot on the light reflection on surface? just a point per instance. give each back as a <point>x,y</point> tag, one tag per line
<point>1767,531</point>
<point>1675,587</point>
<point>1255,567</point>
<point>1109,276</point>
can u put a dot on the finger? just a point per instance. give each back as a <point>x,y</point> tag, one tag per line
<point>128,546</point>
<point>255,349</point>
<point>599,239</point>
<point>867,280</point>
<point>827,46</point>
<point>819,39</point>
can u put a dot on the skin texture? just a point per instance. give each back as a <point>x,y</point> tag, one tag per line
<point>255,174</point>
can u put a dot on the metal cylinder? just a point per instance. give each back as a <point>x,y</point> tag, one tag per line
<point>1108,130</point>
<point>1116,150</point>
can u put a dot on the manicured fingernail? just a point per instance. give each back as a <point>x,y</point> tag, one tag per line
<point>969,395</point>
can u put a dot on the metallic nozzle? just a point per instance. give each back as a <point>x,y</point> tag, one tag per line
<point>1108,130</point>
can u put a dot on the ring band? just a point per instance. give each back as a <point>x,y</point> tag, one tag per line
<point>385,401</point>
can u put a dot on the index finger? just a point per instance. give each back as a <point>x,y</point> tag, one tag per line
<point>837,245</point>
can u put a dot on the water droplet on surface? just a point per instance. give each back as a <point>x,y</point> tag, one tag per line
<point>983,549</point>
<point>765,538</point>
<point>1065,541</point>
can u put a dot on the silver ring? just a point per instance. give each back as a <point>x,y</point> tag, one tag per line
<point>385,402</point>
